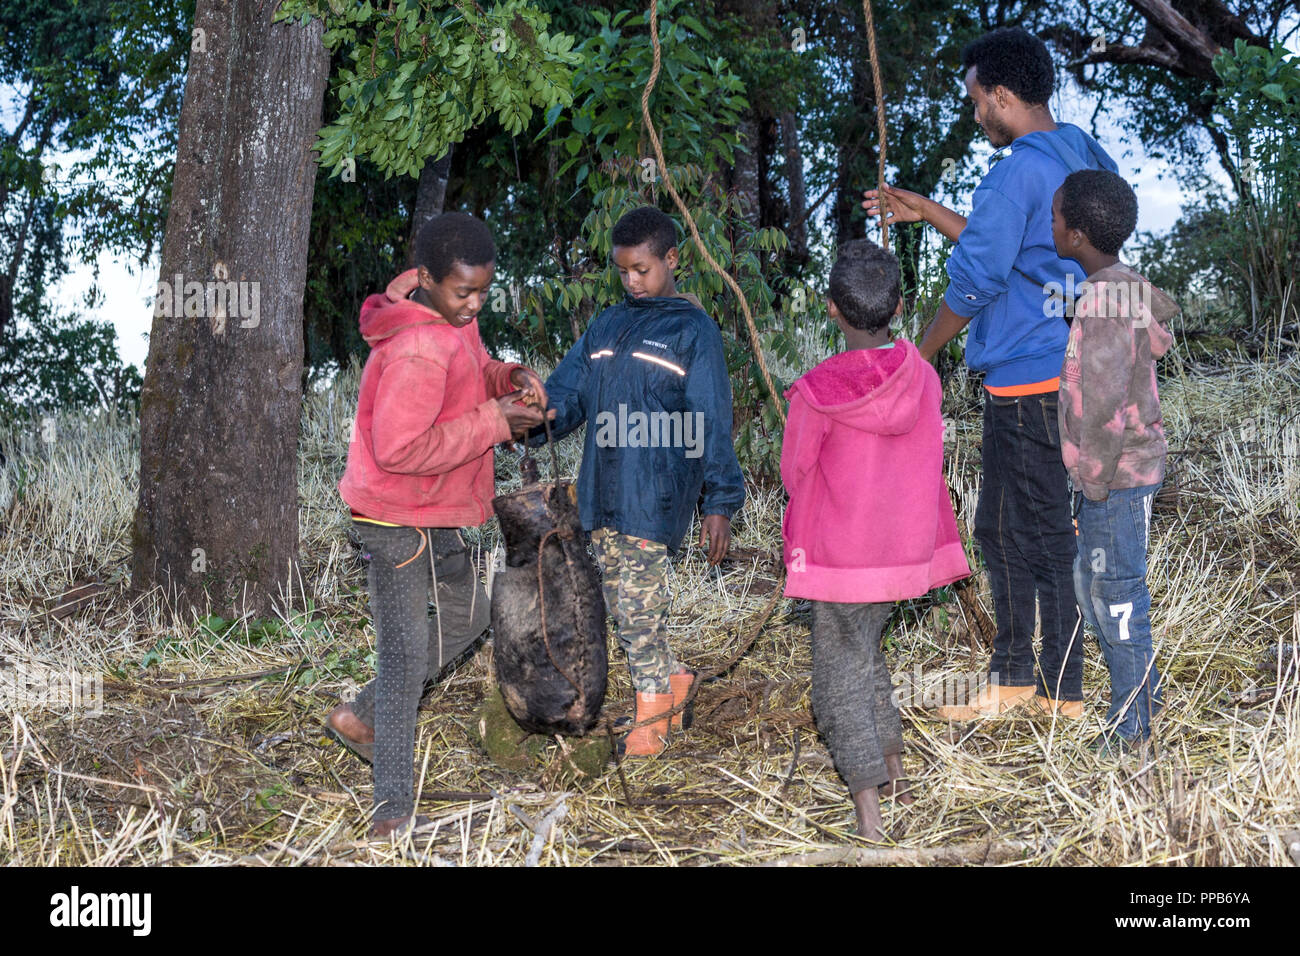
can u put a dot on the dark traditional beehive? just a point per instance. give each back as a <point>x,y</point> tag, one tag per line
<point>550,654</point>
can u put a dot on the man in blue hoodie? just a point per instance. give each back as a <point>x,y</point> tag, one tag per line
<point>1005,282</point>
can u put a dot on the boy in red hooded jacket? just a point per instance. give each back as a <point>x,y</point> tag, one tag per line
<point>869,520</point>
<point>432,404</point>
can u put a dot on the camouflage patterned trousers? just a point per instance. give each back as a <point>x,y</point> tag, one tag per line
<point>634,575</point>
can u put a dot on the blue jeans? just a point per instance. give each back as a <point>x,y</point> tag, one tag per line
<point>1023,527</point>
<point>1110,582</point>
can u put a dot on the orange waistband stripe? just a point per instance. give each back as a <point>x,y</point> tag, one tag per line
<point>1032,388</point>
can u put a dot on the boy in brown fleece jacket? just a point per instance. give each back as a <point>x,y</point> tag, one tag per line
<point>1113,439</point>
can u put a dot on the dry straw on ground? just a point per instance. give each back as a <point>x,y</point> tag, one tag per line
<point>212,753</point>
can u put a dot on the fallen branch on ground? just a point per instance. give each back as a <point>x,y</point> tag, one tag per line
<point>978,853</point>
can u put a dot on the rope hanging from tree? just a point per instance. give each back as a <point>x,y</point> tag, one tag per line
<point>690,221</point>
<point>979,620</point>
<point>713,263</point>
<point>879,87</point>
<point>756,629</point>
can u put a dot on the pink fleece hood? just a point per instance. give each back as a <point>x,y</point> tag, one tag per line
<point>872,390</point>
<point>383,316</point>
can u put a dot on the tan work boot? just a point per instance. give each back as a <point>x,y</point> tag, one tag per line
<point>1071,709</point>
<point>397,827</point>
<point>352,732</point>
<point>990,702</point>
<point>681,683</point>
<point>652,738</point>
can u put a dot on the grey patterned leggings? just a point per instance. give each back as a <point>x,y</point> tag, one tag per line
<point>413,646</point>
<point>852,695</point>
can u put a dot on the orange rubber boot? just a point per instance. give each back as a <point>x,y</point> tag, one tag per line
<point>652,738</point>
<point>681,684</point>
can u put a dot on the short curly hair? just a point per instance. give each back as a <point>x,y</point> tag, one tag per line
<point>1015,59</point>
<point>865,284</point>
<point>450,238</point>
<point>646,224</point>
<point>1102,206</point>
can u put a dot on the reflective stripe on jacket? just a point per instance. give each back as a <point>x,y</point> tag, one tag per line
<point>649,378</point>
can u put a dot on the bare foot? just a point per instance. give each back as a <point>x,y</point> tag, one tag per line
<point>900,791</point>
<point>347,723</point>
<point>898,788</point>
<point>870,824</point>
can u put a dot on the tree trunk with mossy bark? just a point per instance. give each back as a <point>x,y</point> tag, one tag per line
<point>430,196</point>
<point>217,519</point>
<point>743,176</point>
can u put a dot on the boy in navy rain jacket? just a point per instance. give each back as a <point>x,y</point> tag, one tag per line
<point>649,378</point>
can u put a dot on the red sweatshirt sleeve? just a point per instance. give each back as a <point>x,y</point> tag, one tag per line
<point>497,374</point>
<point>409,440</point>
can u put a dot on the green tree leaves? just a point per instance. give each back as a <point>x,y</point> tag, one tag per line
<point>91,93</point>
<point>419,74</point>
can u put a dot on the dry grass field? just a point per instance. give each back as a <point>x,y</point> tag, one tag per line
<point>208,747</point>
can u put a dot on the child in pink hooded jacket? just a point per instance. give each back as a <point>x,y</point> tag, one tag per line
<point>869,520</point>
